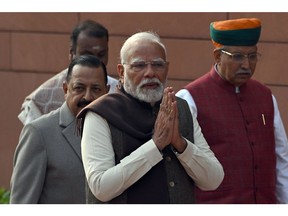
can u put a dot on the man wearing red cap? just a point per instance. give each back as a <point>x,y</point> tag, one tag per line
<point>240,119</point>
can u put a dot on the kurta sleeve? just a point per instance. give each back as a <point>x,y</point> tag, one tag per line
<point>106,179</point>
<point>281,156</point>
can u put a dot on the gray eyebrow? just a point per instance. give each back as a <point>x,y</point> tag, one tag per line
<point>142,60</point>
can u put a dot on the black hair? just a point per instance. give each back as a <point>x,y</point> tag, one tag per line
<point>89,61</point>
<point>91,28</point>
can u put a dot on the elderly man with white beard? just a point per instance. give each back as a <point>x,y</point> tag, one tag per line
<point>141,144</point>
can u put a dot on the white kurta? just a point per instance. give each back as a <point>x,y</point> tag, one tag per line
<point>107,180</point>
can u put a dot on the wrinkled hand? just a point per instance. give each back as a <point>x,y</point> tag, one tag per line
<point>166,128</point>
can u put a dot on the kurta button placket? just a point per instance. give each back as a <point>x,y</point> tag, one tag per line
<point>172,184</point>
<point>168,158</point>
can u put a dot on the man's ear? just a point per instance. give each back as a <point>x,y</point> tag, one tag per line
<point>71,54</point>
<point>217,55</point>
<point>65,87</point>
<point>120,70</point>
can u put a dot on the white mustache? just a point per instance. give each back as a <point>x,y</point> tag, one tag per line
<point>147,81</point>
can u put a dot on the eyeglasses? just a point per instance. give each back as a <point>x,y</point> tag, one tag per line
<point>157,66</point>
<point>240,58</point>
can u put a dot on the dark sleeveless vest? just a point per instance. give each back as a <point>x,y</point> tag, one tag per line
<point>239,129</point>
<point>131,124</point>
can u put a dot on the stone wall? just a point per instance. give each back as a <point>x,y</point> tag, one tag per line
<point>34,47</point>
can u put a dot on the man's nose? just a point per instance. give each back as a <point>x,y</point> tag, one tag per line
<point>246,63</point>
<point>149,70</point>
<point>88,95</point>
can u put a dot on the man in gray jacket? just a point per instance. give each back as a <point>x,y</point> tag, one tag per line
<point>47,162</point>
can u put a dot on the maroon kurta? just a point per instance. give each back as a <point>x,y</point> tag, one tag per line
<point>239,129</point>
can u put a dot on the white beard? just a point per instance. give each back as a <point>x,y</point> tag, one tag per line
<point>147,95</point>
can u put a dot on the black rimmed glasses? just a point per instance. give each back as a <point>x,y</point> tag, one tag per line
<point>157,65</point>
<point>240,58</point>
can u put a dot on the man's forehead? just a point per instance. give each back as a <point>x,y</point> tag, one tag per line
<point>97,47</point>
<point>94,48</point>
<point>241,48</point>
<point>96,43</point>
<point>142,50</point>
<point>83,72</point>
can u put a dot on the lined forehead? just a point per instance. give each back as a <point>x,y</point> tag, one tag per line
<point>241,49</point>
<point>87,74</point>
<point>145,51</point>
<point>90,41</point>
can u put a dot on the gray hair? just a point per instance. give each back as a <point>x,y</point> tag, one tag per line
<point>147,35</point>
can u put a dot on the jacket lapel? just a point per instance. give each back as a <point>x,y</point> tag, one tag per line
<point>68,122</point>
